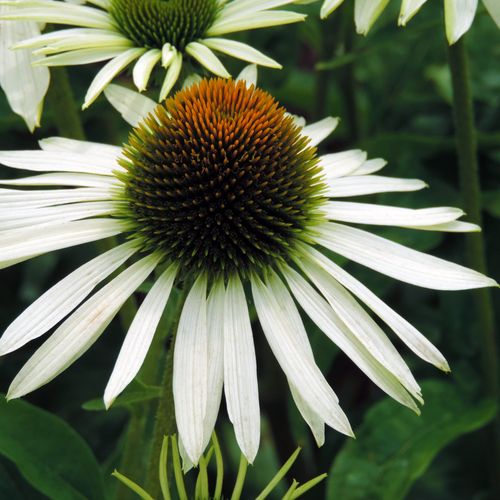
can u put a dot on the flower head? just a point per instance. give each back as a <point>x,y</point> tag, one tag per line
<point>459,14</point>
<point>221,192</point>
<point>148,33</point>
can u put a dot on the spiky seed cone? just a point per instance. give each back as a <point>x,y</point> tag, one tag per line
<point>153,23</point>
<point>221,179</point>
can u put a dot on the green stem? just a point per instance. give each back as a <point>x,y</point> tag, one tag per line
<point>475,248</point>
<point>65,112</point>
<point>164,423</point>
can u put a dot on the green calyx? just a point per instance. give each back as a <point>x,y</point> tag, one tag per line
<point>153,23</point>
<point>221,180</point>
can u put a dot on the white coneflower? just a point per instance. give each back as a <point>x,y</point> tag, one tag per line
<point>221,192</point>
<point>459,14</point>
<point>148,33</point>
<point>24,85</point>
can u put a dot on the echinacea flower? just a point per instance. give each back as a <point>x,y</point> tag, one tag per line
<point>459,14</point>
<point>221,192</point>
<point>24,85</point>
<point>148,34</point>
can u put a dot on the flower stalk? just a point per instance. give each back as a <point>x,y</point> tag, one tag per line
<point>466,144</point>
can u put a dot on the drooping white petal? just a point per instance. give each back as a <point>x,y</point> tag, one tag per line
<point>319,131</point>
<point>240,370</point>
<point>369,213</point>
<point>366,13</point>
<point>286,335</point>
<point>190,380</point>
<point>402,328</point>
<point>408,9</point>
<point>357,185</point>
<point>143,68</point>
<point>140,335</point>
<point>458,15</point>
<point>216,319</point>
<point>81,56</point>
<point>79,332</point>
<point>207,59</point>
<point>17,245</point>
<point>362,326</point>
<point>313,420</point>
<point>370,167</point>
<point>319,311</point>
<point>173,72</point>
<point>398,261</point>
<point>133,106</point>
<point>245,7</point>
<point>24,85</point>
<point>62,298</point>
<point>108,72</point>
<point>241,51</point>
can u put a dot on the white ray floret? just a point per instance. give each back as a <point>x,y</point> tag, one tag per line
<point>97,35</point>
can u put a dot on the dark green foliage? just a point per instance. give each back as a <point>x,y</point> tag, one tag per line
<point>153,23</point>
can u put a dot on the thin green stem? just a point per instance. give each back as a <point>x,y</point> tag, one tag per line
<point>240,478</point>
<point>164,422</point>
<point>475,248</point>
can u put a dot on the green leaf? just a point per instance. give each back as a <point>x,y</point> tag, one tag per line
<point>394,447</point>
<point>136,392</point>
<point>49,454</point>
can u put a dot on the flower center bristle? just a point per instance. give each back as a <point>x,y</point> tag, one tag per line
<point>153,23</point>
<point>221,179</point>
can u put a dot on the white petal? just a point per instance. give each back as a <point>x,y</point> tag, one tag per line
<point>143,68</point>
<point>190,381</point>
<point>313,420</point>
<point>342,164</point>
<point>398,261</point>
<point>366,13</point>
<point>493,7</point>
<point>25,217</point>
<point>257,20</point>
<point>402,328</point>
<point>285,333</point>
<point>408,9</point>
<point>173,72</point>
<point>320,130</point>
<point>57,161</point>
<point>133,106</point>
<point>319,311</point>
<point>249,75</point>
<point>140,335</point>
<point>62,298</point>
<point>22,244</point>
<point>329,6</point>
<point>25,99</point>
<point>81,56</point>
<point>362,326</point>
<point>458,15</point>
<point>215,317</point>
<point>85,148</point>
<point>240,370</point>
<point>370,167</point>
<point>368,213</point>
<point>61,179</point>
<point>77,334</point>
<point>108,72</point>
<point>241,51</point>
<point>207,58</point>
<point>370,184</point>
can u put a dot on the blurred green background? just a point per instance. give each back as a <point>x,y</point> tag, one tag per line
<point>392,90</point>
